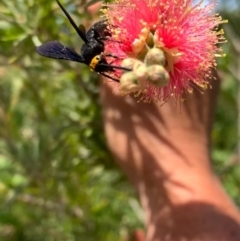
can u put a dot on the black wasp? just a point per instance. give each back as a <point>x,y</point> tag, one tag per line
<point>92,51</point>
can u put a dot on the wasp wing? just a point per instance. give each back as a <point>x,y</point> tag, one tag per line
<point>56,50</point>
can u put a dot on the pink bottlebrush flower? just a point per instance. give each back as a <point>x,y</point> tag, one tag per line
<point>187,35</point>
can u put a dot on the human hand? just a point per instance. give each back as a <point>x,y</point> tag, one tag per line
<point>165,152</point>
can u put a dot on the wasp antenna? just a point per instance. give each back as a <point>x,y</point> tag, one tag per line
<point>78,30</point>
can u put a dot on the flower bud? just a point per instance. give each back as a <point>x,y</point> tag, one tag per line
<point>128,83</point>
<point>157,75</point>
<point>128,63</point>
<point>140,71</point>
<point>155,56</point>
<point>138,46</point>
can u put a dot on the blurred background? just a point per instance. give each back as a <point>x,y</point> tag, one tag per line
<point>57,179</point>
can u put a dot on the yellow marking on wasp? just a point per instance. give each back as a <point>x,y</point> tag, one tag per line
<point>95,60</point>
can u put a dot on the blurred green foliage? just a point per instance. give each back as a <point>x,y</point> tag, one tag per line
<point>57,179</point>
<point>226,147</point>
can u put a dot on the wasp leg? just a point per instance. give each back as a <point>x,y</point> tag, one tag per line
<point>115,67</point>
<point>107,39</point>
<point>110,55</point>
<point>109,77</point>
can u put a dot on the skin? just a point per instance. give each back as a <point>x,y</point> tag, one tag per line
<point>165,155</point>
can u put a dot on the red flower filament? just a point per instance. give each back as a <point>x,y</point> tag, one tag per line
<point>185,34</point>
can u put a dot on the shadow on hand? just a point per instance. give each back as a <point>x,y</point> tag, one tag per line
<point>131,128</point>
